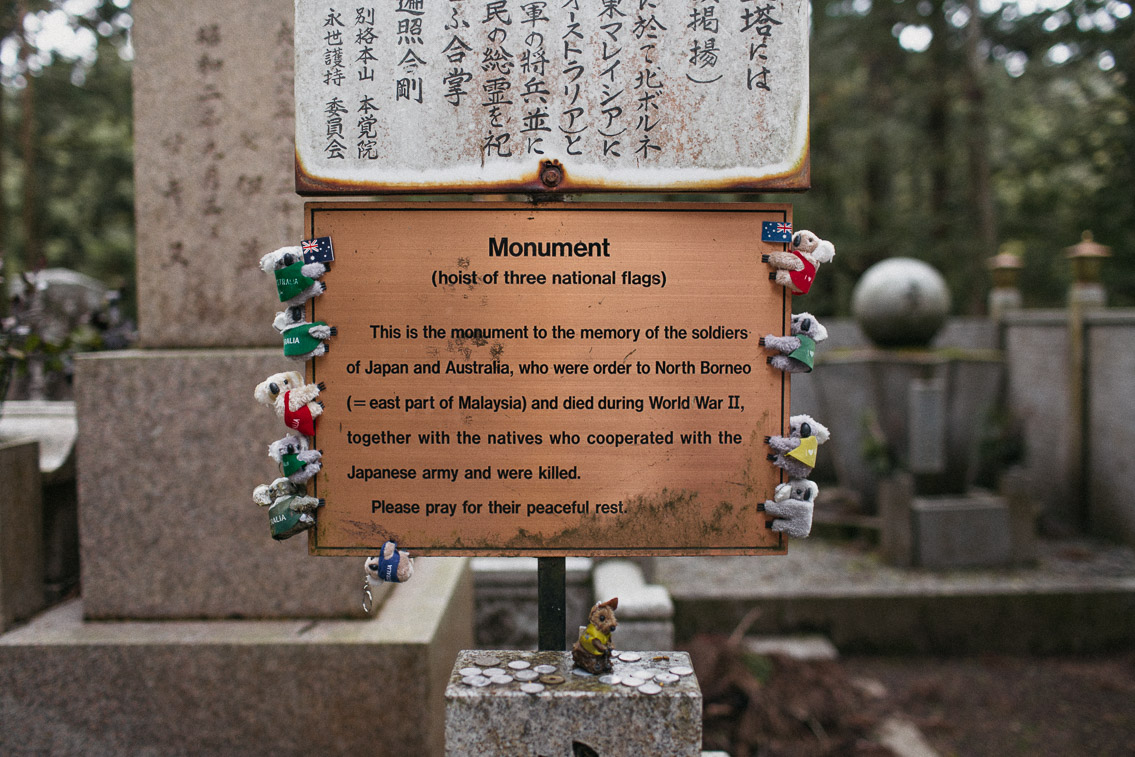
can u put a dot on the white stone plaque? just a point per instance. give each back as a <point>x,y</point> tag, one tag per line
<point>485,95</point>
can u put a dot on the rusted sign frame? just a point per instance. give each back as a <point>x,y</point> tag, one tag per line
<point>314,227</point>
<point>556,178</point>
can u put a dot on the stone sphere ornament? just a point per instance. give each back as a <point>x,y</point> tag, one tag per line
<point>901,302</point>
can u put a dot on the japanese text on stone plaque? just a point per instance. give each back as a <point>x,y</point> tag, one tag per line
<point>639,92</point>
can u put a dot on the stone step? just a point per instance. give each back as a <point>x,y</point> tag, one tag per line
<point>225,687</point>
<point>1076,599</point>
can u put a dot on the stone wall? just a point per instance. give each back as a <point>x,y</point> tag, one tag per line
<point>1036,389</point>
<point>1110,443</point>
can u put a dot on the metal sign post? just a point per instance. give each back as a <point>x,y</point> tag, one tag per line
<point>552,589</point>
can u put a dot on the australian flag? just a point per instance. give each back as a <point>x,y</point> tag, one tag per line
<point>318,250</point>
<point>775,231</point>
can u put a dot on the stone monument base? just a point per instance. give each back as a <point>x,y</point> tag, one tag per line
<point>572,714</point>
<point>172,443</point>
<point>961,531</point>
<point>280,687</point>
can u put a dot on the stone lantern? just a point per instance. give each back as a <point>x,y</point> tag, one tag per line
<point>1087,261</point>
<point>1005,269</point>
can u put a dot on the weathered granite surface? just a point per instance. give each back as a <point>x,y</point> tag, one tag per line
<point>374,687</point>
<point>172,444</point>
<point>613,720</point>
<point>214,168</point>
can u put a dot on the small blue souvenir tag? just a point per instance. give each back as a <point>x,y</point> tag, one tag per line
<point>318,250</point>
<point>772,231</point>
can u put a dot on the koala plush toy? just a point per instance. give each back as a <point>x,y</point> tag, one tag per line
<point>791,507</point>
<point>798,352</point>
<point>302,340</point>
<point>295,280</point>
<point>796,453</point>
<point>297,462</point>
<point>294,401</point>
<point>392,565</point>
<point>796,266</point>
<point>290,511</point>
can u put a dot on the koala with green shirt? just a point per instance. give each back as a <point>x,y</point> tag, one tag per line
<point>302,339</point>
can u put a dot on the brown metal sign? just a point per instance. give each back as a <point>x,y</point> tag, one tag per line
<point>568,379</point>
<point>612,95</point>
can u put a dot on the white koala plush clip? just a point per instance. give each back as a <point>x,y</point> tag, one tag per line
<point>798,352</point>
<point>796,266</point>
<point>295,280</point>
<point>791,506</point>
<point>293,400</point>
<point>302,340</point>
<point>297,462</point>
<point>796,453</point>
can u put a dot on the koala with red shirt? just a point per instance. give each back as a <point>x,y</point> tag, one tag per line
<point>796,266</point>
<point>294,401</point>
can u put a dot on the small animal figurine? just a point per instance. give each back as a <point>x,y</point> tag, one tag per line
<point>796,266</point>
<point>290,511</point>
<point>297,462</point>
<point>791,506</point>
<point>798,352</point>
<point>295,280</point>
<point>302,340</point>
<point>796,453</point>
<point>293,400</point>
<point>392,565</point>
<point>592,652</point>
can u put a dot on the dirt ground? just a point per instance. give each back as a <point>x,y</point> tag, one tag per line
<point>993,706</point>
<point>1007,706</point>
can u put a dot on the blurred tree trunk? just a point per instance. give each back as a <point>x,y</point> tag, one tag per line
<point>7,26</point>
<point>33,241</point>
<point>980,172</point>
<point>938,134</point>
<point>879,169</point>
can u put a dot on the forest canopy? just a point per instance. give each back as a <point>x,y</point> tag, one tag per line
<point>940,129</point>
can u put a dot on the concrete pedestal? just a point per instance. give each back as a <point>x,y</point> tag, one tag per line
<point>572,714</point>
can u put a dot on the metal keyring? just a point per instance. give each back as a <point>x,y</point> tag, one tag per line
<point>368,598</point>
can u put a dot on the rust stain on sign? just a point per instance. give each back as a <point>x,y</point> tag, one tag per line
<point>581,379</point>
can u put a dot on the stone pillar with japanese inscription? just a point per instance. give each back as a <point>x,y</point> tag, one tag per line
<point>172,440</point>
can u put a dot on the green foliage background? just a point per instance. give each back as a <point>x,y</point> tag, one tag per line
<point>1041,96</point>
<point>82,160</point>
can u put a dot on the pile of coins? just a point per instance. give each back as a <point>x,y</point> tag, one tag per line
<point>643,677</point>
<point>532,680</point>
